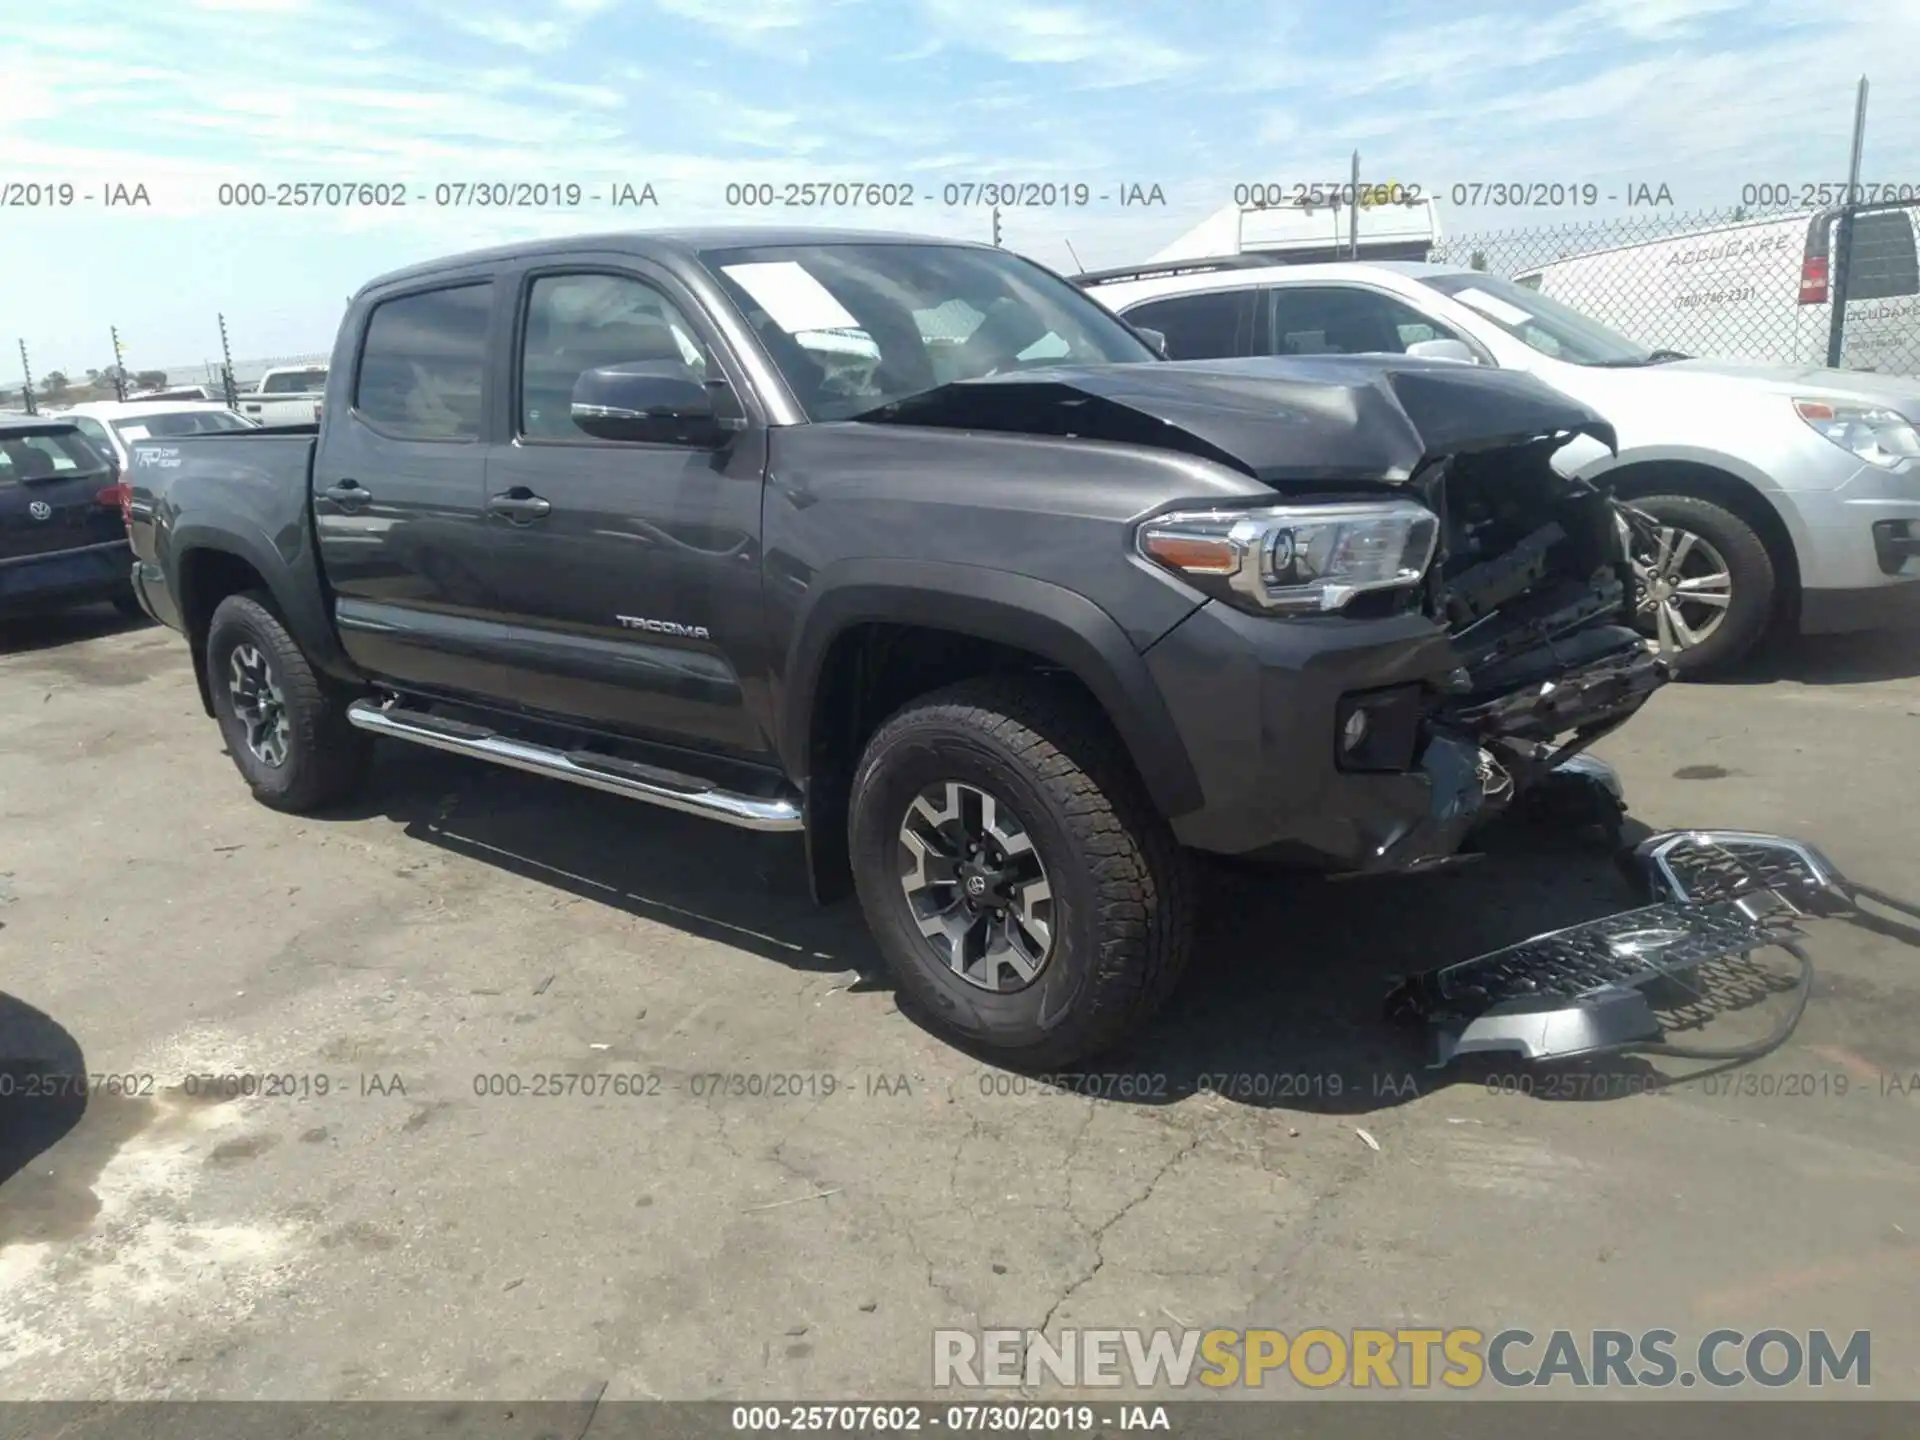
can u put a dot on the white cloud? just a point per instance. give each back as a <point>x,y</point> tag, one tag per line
<point>692,95</point>
<point>1099,43</point>
<point>537,36</point>
<point>743,18</point>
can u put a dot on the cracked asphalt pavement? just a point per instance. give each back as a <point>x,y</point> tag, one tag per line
<point>318,1159</point>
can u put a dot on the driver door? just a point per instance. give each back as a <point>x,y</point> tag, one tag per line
<point>626,575</point>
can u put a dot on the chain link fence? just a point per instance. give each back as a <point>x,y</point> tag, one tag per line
<point>1723,284</point>
<point>181,380</point>
<point>1729,284</point>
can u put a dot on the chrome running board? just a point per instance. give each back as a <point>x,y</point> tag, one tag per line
<point>667,789</point>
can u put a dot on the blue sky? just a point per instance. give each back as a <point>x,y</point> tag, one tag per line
<point>1192,95</point>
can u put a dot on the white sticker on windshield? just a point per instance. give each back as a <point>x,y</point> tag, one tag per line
<point>1492,305</point>
<point>796,301</point>
<point>133,432</point>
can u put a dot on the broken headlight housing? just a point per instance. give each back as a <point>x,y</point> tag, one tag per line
<point>1296,559</point>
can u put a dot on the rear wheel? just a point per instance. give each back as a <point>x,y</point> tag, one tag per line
<point>1707,583</point>
<point>285,727</point>
<point>1027,897</point>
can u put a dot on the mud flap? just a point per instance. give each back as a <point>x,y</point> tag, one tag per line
<point>1604,986</point>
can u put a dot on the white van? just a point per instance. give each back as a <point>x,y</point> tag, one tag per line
<point>1756,291</point>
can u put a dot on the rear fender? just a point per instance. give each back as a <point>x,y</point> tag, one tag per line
<point>294,586</point>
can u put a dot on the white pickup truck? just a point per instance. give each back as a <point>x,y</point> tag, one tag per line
<point>287,395</point>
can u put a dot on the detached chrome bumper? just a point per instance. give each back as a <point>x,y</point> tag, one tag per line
<point>1625,982</point>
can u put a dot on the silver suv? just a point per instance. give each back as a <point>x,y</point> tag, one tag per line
<point>1788,496</point>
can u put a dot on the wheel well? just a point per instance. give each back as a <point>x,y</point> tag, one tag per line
<point>1679,477</point>
<point>206,577</point>
<point>870,671</point>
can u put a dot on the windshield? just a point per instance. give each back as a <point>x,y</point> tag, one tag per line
<point>179,422</point>
<point>1545,325</point>
<point>294,382</point>
<point>857,326</point>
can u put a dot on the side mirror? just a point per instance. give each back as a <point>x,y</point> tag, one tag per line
<point>1156,338</point>
<point>1444,350</point>
<point>652,400</point>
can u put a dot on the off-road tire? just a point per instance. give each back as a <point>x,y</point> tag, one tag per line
<point>1121,886</point>
<point>1755,585</point>
<point>326,757</point>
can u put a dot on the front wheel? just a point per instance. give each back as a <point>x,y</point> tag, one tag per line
<point>1021,887</point>
<point>285,727</point>
<point>1707,585</point>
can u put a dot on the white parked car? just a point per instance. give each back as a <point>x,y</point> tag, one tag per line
<point>287,395</point>
<point>111,425</point>
<point>1760,290</point>
<point>1786,495</point>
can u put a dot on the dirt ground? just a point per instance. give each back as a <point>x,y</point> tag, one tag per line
<point>778,1185</point>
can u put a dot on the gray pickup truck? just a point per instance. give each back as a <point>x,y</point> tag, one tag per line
<point>911,547</point>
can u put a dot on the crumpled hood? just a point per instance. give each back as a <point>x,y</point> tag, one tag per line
<point>1379,418</point>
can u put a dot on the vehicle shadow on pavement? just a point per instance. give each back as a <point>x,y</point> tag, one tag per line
<point>22,634</point>
<point>1861,659</point>
<point>1283,1006</point>
<point>43,1096</point>
<point>710,880</point>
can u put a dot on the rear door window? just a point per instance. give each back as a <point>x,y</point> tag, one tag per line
<point>1213,325</point>
<point>1346,320</point>
<point>1884,261</point>
<point>423,364</point>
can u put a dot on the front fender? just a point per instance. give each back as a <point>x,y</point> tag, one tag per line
<point>1047,620</point>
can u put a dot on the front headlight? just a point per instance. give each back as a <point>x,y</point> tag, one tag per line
<point>1880,437</point>
<point>1296,559</point>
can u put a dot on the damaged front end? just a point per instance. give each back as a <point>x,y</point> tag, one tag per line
<point>1460,608</point>
<point>1534,587</point>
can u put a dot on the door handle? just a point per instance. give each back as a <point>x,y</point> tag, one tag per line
<point>347,494</point>
<point>520,505</point>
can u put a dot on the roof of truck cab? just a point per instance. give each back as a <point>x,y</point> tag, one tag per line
<point>681,244</point>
